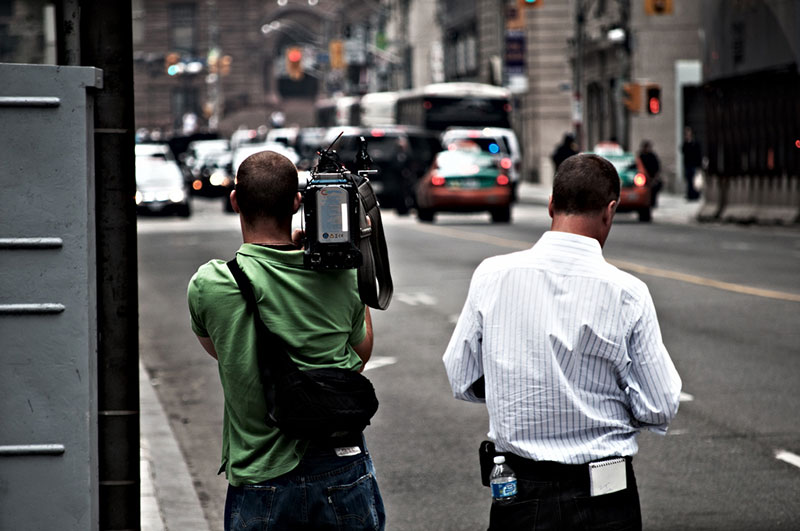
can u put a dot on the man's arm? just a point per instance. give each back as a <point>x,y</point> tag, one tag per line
<point>364,348</point>
<point>653,384</point>
<point>208,345</point>
<point>463,360</point>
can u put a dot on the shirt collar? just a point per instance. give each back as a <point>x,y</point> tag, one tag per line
<point>272,255</point>
<point>575,242</point>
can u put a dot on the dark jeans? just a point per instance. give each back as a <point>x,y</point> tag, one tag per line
<point>552,500</point>
<point>324,492</point>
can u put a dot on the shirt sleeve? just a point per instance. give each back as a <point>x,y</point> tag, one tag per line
<point>463,359</point>
<point>193,293</point>
<point>359,328</point>
<point>653,383</point>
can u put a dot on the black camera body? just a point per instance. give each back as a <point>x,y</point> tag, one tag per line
<point>331,214</point>
<point>331,218</point>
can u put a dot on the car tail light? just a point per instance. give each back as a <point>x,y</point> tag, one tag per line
<point>502,180</point>
<point>427,105</point>
<point>506,163</point>
<point>640,179</point>
<point>474,134</point>
<point>378,132</point>
<point>437,180</point>
<point>197,184</point>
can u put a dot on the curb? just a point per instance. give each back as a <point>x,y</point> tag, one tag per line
<point>168,498</point>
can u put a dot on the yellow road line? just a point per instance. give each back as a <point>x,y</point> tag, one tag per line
<point>628,266</point>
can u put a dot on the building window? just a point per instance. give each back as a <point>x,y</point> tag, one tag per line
<point>181,28</point>
<point>184,102</point>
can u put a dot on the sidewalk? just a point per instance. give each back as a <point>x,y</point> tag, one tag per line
<point>672,208</point>
<point>168,498</point>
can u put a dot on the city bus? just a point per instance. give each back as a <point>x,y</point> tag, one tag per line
<point>379,109</point>
<point>459,104</point>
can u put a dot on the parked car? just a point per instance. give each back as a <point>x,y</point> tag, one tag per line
<point>634,184</point>
<point>160,187</point>
<point>400,154</point>
<point>465,179</point>
<point>495,140</point>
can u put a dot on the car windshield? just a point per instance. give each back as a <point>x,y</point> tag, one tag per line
<point>621,162</point>
<point>381,148</point>
<point>155,172</point>
<point>457,162</point>
<point>487,144</point>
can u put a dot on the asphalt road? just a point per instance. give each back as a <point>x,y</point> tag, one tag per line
<point>728,300</point>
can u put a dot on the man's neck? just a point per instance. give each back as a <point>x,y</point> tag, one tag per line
<point>267,232</point>
<point>581,225</point>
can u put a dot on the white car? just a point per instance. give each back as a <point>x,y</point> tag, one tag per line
<point>160,187</point>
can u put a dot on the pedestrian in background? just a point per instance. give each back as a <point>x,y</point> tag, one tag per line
<point>692,160</point>
<point>563,151</point>
<point>275,481</point>
<point>566,351</point>
<point>652,166</point>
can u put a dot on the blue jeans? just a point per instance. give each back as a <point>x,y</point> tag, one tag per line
<point>324,492</point>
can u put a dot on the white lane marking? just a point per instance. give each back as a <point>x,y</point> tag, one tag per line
<point>686,397</point>
<point>788,457</point>
<point>380,361</point>
<point>414,299</point>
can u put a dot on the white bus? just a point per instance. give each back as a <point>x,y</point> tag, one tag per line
<point>442,105</point>
<point>379,109</point>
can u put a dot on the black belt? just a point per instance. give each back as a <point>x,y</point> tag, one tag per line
<point>325,446</point>
<point>551,471</point>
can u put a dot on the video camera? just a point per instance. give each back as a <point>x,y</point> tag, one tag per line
<point>332,211</point>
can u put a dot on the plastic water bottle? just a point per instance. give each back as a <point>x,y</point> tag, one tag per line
<point>503,482</point>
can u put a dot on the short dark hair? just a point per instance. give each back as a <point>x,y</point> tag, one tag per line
<point>584,184</point>
<point>266,184</point>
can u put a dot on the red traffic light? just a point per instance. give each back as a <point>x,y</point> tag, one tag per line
<point>653,93</point>
<point>294,55</point>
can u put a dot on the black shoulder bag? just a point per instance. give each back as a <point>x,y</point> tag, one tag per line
<point>315,404</point>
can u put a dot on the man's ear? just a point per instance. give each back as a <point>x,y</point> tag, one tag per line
<point>234,202</point>
<point>298,200</point>
<point>608,213</point>
<point>550,207</point>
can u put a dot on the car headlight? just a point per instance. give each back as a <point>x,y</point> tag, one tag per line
<point>217,178</point>
<point>177,196</point>
<point>138,197</point>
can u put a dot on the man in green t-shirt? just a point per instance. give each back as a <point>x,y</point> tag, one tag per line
<point>274,480</point>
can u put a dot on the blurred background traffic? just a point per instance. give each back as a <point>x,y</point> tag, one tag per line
<point>710,87</point>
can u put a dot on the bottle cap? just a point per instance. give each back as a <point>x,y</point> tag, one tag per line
<point>499,459</point>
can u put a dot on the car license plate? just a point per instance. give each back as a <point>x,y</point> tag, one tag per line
<point>465,183</point>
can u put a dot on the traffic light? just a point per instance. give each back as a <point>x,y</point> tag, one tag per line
<point>225,65</point>
<point>531,3</point>
<point>658,7</point>
<point>336,51</point>
<point>171,61</point>
<point>632,96</point>
<point>294,60</point>
<point>653,99</point>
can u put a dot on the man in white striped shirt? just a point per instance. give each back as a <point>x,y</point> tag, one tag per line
<point>566,351</point>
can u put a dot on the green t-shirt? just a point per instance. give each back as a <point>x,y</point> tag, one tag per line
<point>316,312</point>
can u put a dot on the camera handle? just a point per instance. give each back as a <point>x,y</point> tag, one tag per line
<point>375,285</point>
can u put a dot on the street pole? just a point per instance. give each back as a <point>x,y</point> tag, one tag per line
<point>106,42</point>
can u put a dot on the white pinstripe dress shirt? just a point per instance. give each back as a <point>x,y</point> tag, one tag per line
<point>571,352</point>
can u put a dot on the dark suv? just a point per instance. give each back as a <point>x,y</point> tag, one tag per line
<point>400,154</point>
